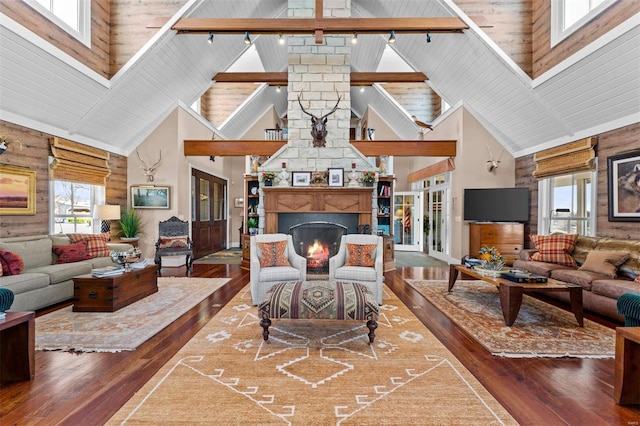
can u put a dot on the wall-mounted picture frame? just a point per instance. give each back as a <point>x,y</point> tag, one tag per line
<point>300,178</point>
<point>17,191</point>
<point>150,197</point>
<point>336,177</point>
<point>623,172</point>
<point>238,202</point>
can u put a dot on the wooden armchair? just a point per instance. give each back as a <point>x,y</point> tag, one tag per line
<point>173,240</point>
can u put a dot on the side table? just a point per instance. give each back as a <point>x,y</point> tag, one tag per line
<point>626,379</point>
<point>17,346</point>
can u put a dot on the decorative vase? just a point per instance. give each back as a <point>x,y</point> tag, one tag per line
<point>268,183</point>
<point>6,300</point>
<point>353,179</point>
<point>283,178</point>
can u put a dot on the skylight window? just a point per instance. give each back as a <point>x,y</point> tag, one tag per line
<point>73,16</point>
<point>567,16</point>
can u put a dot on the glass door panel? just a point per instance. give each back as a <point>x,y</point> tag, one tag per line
<point>205,211</point>
<point>407,224</point>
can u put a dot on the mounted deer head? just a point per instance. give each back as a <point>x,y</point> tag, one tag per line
<point>149,171</point>
<point>319,125</point>
<point>493,164</point>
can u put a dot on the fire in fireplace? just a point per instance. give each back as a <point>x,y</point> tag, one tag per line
<point>317,242</point>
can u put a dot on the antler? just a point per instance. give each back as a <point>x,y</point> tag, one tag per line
<point>334,108</point>
<point>149,171</point>
<point>304,110</point>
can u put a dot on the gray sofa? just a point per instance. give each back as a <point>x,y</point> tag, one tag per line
<point>600,293</point>
<point>43,282</point>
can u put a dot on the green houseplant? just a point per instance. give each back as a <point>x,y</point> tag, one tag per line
<point>130,224</point>
<point>252,224</point>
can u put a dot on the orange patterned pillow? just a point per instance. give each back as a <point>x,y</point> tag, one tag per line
<point>96,243</point>
<point>555,248</point>
<point>69,253</point>
<point>273,254</point>
<point>360,254</point>
<point>179,241</point>
<point>12,263</point>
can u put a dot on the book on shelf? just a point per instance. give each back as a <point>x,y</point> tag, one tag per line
<point>107,271</point>
<point>385,191</point>
<point>523,277</point>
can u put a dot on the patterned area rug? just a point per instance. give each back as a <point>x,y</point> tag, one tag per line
<point>231,257</point>
<point>540,330</point>
<point>313,372</point>
<point>127,328</point>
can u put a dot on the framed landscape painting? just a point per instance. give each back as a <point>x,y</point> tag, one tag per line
<point>17,191</point>
<point>150,197</point>
<point>624,187</point>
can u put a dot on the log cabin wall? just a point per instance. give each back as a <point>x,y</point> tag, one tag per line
<point>545,57</point>
<point>610,143</point>
<point>35,156</point>
<point>222,99</point>
<point>96,57</point>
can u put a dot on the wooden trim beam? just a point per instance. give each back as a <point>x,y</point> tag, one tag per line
<point>397,148</point>
<point>324,25</point>
<point>357,78</point>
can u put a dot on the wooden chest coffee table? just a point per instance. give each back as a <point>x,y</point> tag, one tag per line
<point>511,292</point>
<point>109,294</point>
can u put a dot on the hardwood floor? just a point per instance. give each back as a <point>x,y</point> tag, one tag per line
<point>87,388</point>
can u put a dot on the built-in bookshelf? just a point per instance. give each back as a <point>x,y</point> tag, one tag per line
<point>384,192</point>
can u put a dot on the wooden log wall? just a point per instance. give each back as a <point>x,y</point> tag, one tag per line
<point>417,98</point>
<point>545,57</point>
<point>35,156</point>
<point>222,99</point>
<point>96,57</point>
<point>610,143</point>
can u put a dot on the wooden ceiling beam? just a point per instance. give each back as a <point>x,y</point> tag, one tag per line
<point>397,148</point>
<point>313,25</point>
<point>357,78</point>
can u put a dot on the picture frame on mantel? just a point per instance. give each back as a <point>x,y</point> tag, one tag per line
<point>336,177</point>
<point>301,178</point>
<point>17,192</point>
<point>623,173</point>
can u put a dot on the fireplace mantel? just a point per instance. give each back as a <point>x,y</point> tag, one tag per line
<point>316,200</point>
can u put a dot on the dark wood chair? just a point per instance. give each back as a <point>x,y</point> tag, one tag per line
<point>173,240</point>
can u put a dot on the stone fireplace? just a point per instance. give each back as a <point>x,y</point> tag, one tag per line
<point>317,242</point>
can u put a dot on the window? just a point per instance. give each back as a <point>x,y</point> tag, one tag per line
<point>567,204</point>
<point>567,16</point>
<point>72,205</point>
<point>73,16</point>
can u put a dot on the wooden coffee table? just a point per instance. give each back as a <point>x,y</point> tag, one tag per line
<point>109,294</point>
<point>511,292</point>
<point>17,346</point>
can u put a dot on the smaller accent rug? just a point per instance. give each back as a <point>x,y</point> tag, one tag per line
<point>127,328</point>
<point>540,330</point>
<point>230,257</point>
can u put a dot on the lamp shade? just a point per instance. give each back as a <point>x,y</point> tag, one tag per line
<point>106,212</point>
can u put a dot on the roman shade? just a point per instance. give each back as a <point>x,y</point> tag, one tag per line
<point>565,159</point>
<point>78,163</point>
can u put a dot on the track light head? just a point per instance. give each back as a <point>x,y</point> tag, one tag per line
<point>281,38</point>
<point>354,39</point>
<point>210,39</point>
<point>428,37</point>
<point>247,39</point>
<point>361,89</point>
<point>392,37</point>
<point>278,89</point>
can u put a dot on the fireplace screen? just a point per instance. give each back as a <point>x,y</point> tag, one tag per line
<point>317,242</point>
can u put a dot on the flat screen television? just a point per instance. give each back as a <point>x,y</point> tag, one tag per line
<point>496,205</point>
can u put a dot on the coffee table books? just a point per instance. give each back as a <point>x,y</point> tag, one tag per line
<point>523,277</point>
<point>107,271</point>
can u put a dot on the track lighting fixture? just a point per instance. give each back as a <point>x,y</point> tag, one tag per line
<point>281,38</point>
<point>392,37</point>
<point>361,89</point>
<point>428,37</point>
<point>354,39</point>
<point>210,39</point>
<point>247,39</point>
<point>278,89</point>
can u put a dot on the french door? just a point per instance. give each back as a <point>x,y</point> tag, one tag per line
<point>208,213</point>
<point>438,216</point>
<point>407,221</point>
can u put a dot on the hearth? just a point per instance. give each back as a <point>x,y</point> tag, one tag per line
<point>317,242</point>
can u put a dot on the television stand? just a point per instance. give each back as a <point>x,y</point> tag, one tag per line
<point>506,237</point>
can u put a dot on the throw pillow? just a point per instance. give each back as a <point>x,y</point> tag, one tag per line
<point>12,263</point>
<point>360,254</point>
<point>273,254</point>
<point>72,252</point>
<point>96,243</point>
<point>555,248</point>
<point>178,241</point>
<point>604,262</point>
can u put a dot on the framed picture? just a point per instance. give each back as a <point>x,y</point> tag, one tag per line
<point>238,202</point>
<point>624,194</point>
<point>301,178</point>
<point>336,177</point>
<point>17,191</point>
<point>150,197</point>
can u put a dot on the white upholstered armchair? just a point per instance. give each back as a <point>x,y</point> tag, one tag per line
<point>270,254</point>
<point>359,259</point>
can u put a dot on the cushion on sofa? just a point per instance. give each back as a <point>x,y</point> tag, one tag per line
<point>614,288</point>
<point>632,246</point>
<point>273,254</point>
<point>64,271</point>
<point>72,252</point>
<point>360,254</point>
<point>583,246</point>
<point>25,282</point>
<point>554,248</point>
<point>583,278</point>
<point>604,262</point>
<point>12,263</point>
<point>34,253</point>
<point>538,268</point>
<point>96,243</point>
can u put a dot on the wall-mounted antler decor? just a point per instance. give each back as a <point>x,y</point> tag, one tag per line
<point>149,172</point>
<point>319,125</point>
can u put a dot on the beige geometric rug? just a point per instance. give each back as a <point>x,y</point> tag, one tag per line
<point>228,257</point>
<point>313,372</point>
<point>540,330</point>
<point>127,328</point>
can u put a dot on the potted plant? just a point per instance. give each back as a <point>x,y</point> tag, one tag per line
<point>268,178</point>
<point>368,178</point>
<point>130,224</point>
<point>252,224</point>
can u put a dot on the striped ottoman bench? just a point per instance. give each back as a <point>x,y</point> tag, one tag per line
<point>319,300</point>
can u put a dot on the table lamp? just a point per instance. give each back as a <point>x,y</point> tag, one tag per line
<point>106,213</point>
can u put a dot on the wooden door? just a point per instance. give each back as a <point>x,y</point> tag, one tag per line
<point>209,213</point>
